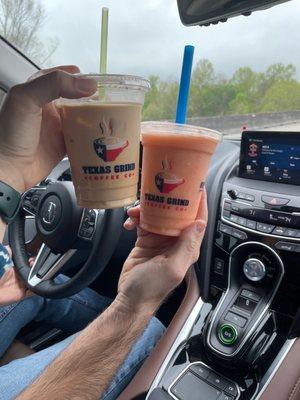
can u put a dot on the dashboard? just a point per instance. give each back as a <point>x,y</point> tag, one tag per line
<point>249,272</point>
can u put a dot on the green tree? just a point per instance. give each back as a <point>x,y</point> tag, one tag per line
<point>160,101</point>
<point>20,24</point>
<point>282,96</point>
<point>247,91</point>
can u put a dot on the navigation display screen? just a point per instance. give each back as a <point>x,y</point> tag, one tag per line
<point>271,156</point>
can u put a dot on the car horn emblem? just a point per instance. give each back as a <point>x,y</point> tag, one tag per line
<point>50,213</point>
<point>108,146</point>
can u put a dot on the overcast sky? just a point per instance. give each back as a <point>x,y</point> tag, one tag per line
<point>147,37</point>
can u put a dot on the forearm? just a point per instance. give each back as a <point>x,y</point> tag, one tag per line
<point>85,369</point>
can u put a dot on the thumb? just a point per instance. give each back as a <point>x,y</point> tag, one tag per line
<point>55,84</point>
<point>187,248</point>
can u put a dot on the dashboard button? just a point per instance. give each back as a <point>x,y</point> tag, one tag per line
<point>219,266</point>
<point>266,228</point>
<point>249,197</point>
<point>242,221</point>
<point>227,205</point>
<point>251,224</point>
<point>239,234</point>
<point>291,232</point>
<point>228,334</point>
<point>234,218</point>
<point>236,208</point>
<point>231,389</point>
<point>225,229</point>
<point>286,246</point>
<point>250,295</point>
<point>236,319</point>
<point>226,214</point>
<point>217,381</point>
<point>200,370</point>
<point>245,304</point>
<point>241,195</point>
<point>275,201</point>
<point>279,230</point>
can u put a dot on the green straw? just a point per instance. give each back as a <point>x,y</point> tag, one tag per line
<point>104,34</point>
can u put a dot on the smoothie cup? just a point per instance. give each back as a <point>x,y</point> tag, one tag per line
<point>176,158</point>
<point>102,137</point>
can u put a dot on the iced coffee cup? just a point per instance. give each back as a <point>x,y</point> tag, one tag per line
<point>175,164</point>
<point>102,136</point>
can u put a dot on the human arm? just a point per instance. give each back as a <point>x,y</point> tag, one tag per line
<point>31,142</point>
<point>153,269</point>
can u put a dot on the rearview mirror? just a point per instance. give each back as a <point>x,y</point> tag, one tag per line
<point>205,12</point>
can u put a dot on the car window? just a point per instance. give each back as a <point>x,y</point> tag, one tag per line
<point>246,71</point>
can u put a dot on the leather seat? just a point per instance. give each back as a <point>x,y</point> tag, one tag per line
<point>15,351</point>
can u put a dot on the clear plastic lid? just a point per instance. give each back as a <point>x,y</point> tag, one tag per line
<point>166,127</point>
<point>112,88</point>
<point>120,81</point>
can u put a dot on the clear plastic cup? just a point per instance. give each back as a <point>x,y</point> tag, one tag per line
<point>102,136</point>
<point>175,165</point>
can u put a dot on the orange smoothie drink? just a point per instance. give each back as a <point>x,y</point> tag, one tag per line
<point>175,164</point>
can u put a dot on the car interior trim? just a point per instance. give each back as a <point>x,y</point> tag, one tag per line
<point>184,371</point>
<point>274,368</point>
<point>227,291</point>
<point>227,221</point>
<point>34,280</point>
<point>181,338</point>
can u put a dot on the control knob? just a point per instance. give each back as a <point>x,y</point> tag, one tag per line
<point>232,194</point>
<point>254,269</point>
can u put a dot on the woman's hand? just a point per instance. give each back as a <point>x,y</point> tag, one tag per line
<point>158,264</point>
<point>12,289</point>
<point>31,139</point>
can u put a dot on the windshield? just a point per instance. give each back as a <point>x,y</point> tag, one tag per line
<point>246,71</point>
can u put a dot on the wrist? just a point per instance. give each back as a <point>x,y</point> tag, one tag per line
<point>11,176</point>
<point>127,306</point>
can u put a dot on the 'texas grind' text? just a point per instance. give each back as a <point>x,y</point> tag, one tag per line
<point>108,169</point>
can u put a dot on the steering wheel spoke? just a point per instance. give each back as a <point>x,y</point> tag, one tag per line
<point>47,264</point>
<point>31,199</point>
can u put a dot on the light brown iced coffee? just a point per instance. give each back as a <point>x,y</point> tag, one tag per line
<point>103,140</point>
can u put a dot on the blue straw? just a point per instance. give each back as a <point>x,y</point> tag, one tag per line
<point>184,87</point>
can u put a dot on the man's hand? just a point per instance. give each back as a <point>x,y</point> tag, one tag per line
<point>158,264</point>
<point>31,139</point>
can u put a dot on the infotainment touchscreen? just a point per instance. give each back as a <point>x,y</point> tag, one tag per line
<point>270,156</point>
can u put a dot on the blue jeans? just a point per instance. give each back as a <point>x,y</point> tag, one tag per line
<point>71,315</point>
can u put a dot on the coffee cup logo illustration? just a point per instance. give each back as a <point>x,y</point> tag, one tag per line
<point>108,146</point>
<point>253,148</point>
<point>165,180</point>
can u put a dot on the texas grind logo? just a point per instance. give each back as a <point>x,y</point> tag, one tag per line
<point>166,182</point>
<point>108,147</point>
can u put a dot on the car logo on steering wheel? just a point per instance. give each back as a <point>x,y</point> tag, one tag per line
<point>50,213</point>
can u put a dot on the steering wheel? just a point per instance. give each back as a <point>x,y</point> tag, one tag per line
<point>64,229</point>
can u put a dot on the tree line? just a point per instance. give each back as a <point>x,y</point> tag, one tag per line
<point>246,91</point>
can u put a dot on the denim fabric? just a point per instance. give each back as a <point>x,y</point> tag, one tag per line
<point>71,315</point>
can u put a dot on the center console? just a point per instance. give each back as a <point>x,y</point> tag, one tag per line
<point>232,343</point>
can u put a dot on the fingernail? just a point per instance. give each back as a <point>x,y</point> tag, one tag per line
<point>86,85</point>
<point>200,225</point>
